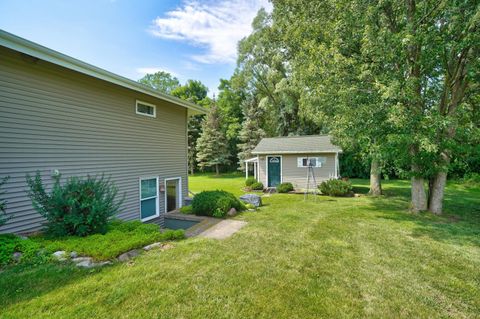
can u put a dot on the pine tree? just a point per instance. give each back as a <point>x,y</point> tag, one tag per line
<point>212,146</point>
<point>251,133</point>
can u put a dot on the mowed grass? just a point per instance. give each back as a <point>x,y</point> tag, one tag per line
<point>329,258</point>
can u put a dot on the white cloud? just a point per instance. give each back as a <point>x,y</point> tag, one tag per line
<point>151,70</point>
<point>216,26</point>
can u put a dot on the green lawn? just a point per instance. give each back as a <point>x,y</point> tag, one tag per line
<point>330,258</point>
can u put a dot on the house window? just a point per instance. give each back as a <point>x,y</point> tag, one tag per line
<point>310,161</point>
<point>147,109</point>
<point>148,198</point>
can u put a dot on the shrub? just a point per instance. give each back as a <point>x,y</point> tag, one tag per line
<point>335,187</point>
<point>285,188</point>
<point>80,207</point>
<point>249,181</point>
<point>215,203</point>
<point>258,186</point>
<point>3,203</point>
<point>472,179</point>
<point>30,250</point>
<point>186,209</point>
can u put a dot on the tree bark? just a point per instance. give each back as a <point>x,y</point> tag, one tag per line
<point>375,179</point>
<point>419,197</point>
<point>217,171</point>
<point>437,192</point>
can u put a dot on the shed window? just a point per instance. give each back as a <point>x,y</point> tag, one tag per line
<point>148,198</point>
<point>146,109</point>
<point>310,161</point>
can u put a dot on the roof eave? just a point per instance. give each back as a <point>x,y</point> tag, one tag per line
<point>294,152</point>
<point>13,42</point>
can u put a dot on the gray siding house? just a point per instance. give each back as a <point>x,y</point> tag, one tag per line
<point>59,115</point>
<point>286,159</point>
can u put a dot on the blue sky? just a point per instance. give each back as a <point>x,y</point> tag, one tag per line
<point>190,39</point>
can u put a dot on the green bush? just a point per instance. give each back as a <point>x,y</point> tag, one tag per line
<point>285,188</point>
<point>215,203</point>
<point>335,187</point>
<point>472,179</point>
<point>186,209</point>
<point>258,186</point>
<point>30,250</point>
<point>249,181</point>
<point>80,207</point>
<point>250,206</point>
<point>120,237</point>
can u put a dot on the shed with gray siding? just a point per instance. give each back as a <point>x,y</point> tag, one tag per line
<point>286,159</point>
<point>61,114</point>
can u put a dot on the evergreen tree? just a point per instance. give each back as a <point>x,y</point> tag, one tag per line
<point>212,146</point>
<point>251,132</point>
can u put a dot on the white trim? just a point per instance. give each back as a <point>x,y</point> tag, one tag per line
<point>253,159</point>
<point>157,203</point>
<point>298,152</point>
<point>19,44</point>
<point>179,191</point>
<point>337,166</point>
<point>147,104</point>
<point>281,168</point>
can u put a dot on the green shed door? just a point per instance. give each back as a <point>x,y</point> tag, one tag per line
<point>274,170</point>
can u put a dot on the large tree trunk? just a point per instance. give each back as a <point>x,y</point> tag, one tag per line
<point>419,197</point>
<point>217,171</point>
<point>437,188</point>
<point>375,178</point>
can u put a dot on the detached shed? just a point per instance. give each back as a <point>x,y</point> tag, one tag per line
<point>286,159</point>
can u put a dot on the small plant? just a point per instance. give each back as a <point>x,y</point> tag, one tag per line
<point>80,207</point>
<point>250,206</point>
<point>285,187</point>
<point>258,186</point>
<point>249,181</point>
<point>335,187</point>
<point>472,180</point>
<point>215,203</point>
<point>186,209</point>
<point>3,203</point>
<point>30,251</point>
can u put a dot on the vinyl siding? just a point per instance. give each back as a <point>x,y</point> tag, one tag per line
<point>298,175</point>
<point>55,118</point>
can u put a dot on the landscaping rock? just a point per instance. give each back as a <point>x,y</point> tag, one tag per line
<point>102,263</point>
<point>17,256</point>
<point>232,212</point>
<point>73,254</point>
<point>86,262</point>
<point>151,246</point>
<point>251,199</point>
<point>60,255</point>
<point>128,255</point>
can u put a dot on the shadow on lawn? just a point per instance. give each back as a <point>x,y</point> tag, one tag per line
<point>460,223</point>
<point>24,282</point>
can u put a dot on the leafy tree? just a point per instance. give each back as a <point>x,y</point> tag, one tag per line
<point>161,81</point>
<point>212,150</point>
<point>229,103</point>
<point>196,92</point>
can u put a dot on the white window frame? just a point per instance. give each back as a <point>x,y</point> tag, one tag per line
<point>281,168</point>
<point>317,158</point>
<point>157,211</point>
<point>180,193</point>
<point>148,104</point>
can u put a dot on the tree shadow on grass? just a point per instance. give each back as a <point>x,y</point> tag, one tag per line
<point>24,282</point>
<point>460,223</point>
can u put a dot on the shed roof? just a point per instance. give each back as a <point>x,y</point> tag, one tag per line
<point>18,44</point>
<point>296,145</point>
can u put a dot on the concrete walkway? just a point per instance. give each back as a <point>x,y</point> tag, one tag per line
<point>223,229</point>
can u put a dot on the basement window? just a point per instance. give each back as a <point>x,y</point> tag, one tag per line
<point>147,109</point>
